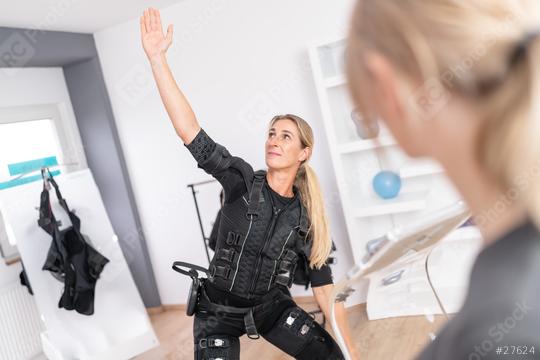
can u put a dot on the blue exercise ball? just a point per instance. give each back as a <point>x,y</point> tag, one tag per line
<point>387,184</point>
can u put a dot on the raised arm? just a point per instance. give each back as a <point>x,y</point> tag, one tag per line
<point>155,44</point>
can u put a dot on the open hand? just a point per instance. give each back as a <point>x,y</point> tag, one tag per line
<point>155,43</point>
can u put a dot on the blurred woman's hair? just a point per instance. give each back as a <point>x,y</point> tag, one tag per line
<point>477,50</point>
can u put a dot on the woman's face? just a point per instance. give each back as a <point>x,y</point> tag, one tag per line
<point>283,148</point>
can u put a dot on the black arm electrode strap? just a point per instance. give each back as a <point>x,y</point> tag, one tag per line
<point>256,189</point>
<point>220,159</point>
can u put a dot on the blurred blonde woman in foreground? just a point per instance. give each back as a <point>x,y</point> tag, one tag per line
<point>458,81</point>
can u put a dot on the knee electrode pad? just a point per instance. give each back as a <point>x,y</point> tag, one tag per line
<point>218,347</point>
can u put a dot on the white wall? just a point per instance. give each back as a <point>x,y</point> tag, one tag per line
<point>34,86</point>
<point>239,63</point>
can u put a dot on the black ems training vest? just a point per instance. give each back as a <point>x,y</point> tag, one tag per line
<point>257,245</point>
<point>70,258</point>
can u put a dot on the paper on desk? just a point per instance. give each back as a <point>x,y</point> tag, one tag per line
<point>402,289</point>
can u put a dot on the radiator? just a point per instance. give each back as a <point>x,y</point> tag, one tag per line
<point>20,324</point>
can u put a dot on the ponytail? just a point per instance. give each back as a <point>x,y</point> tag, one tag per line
<point>508,144</point>
<point>310,191</point>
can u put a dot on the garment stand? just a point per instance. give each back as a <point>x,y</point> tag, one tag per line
<point>205,238</point>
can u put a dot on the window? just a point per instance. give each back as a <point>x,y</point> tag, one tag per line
<point>31,137</point>
<point>22,144</point>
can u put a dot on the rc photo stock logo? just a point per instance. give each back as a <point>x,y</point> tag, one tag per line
<point>135,85</point>
<point>15,52</point>
<point>256,113</point>
<point>498,332</point>
<point>430,99</point>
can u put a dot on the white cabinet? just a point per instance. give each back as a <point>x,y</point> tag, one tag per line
<point>356,161</point>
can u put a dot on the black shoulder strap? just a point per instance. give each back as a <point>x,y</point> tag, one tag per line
<point>255,194</point>
<point>46,215</point>
<point>245,170</point>
<point>303,226</point>
<point>50,180</point>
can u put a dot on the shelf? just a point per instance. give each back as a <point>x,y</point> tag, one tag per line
<point>420,170</point>
<point>365,213</point>
<point>387,207</point>
<point>335,81</point>
<point>331,58</point>
<point>363,145</point>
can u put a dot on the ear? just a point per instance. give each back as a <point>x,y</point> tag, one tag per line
<point>385,79</point>
<point>304,155</point>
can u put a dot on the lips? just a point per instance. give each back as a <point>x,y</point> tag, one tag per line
<point>273,153</point>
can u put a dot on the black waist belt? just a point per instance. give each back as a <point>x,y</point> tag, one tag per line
<point>205,304</point>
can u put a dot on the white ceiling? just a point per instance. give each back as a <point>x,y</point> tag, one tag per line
<point>86,16</point>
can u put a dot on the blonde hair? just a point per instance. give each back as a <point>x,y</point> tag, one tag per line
<point>474,49</point>
<point>311,195</point>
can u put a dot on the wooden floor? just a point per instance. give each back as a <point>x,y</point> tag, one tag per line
<point>396,338</point>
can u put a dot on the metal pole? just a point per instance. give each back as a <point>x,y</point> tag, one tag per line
<point>200,222</point>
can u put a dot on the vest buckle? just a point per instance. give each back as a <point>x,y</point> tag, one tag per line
<point>221,271</point>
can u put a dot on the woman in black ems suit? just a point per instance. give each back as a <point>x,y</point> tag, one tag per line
<point>271,224</point>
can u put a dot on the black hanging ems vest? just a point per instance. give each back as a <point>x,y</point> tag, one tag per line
<point>70,258</point>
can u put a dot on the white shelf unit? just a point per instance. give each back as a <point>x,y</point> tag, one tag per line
<point>357,160</point>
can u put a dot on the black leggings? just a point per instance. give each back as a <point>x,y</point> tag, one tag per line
<point>281,322</point>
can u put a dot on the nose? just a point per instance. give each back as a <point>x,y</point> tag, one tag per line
<point>273,141</point>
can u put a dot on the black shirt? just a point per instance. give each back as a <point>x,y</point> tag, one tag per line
<point>234,187</point>
<point>278,201</point>
<point>502,306</point>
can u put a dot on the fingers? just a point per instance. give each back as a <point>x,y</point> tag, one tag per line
<point>169,34</point>
<point>152,20</point>
<point>147,20</point>
<point>143,26</point>
<point>155,25</point>
<point>158,19</point>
